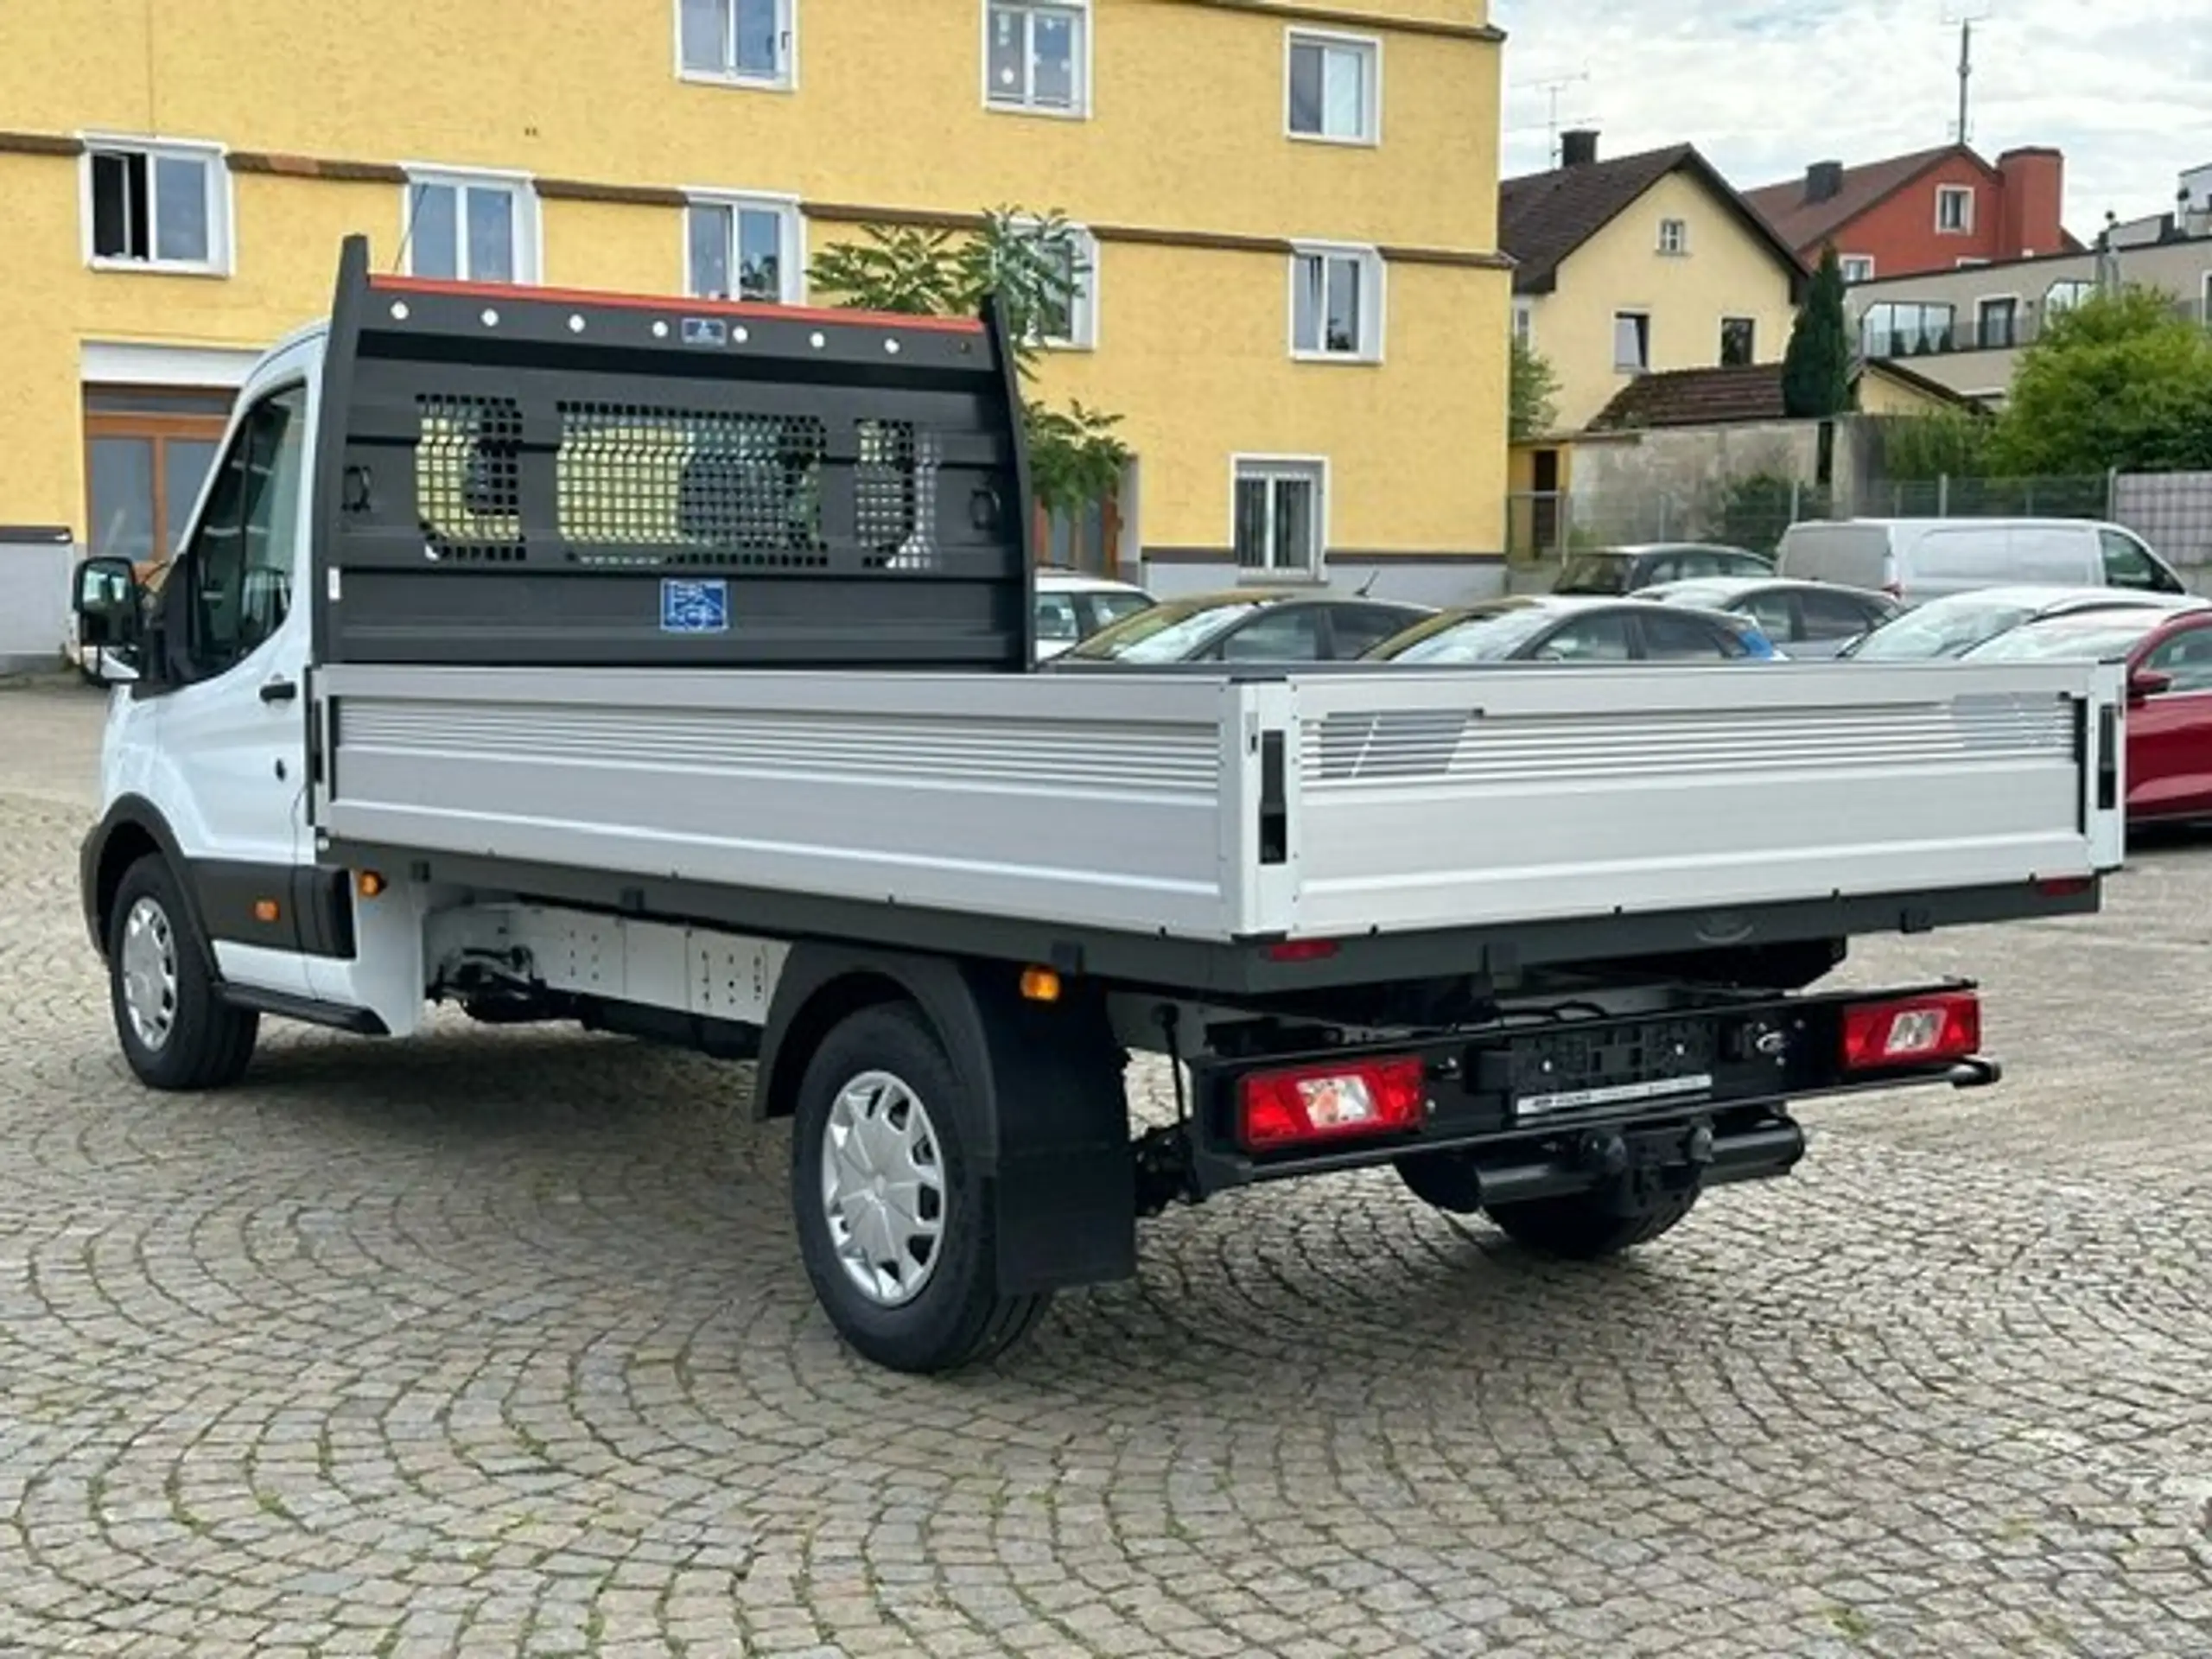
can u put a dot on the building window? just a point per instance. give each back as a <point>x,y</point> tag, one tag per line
<point>1336,303</point>
<point>742,248</point>
<point>1072,324</point>
<point>1278,524</point>
<point>748,42</point>
<point>1954,209</point>
<point>1035,55</point>
<point>1673,236</point>
<point>1904,330</point>
<point>1738,342</point>
<point>471,228</point>
<point>1857,268</point>
<point>2065,295</point>
<point>1524,325</point>
<point>1997,324</point>
<point>162,207</point>
<point>147,453</point>
<point>1335,87</point>
<point>1631,341</point>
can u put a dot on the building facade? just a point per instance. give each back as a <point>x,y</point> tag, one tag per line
<point>1285,213</point>
<point>1966,329</point>
<point>1932,210</point>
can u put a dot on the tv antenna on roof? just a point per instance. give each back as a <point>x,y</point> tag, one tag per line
<point>1551,89</point>
<point>1965,15</point>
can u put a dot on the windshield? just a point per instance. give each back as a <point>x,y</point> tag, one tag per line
<point>1111,607</point>
<point>1485,637</point>
<point>1705,595</point>
<point>1938,629</point>
<point>1593,573</point>
<point>2114,638</point>
<point>1163,633</point>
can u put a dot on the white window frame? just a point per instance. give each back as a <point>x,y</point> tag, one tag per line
<point>1865,262</point>
<point>1312,469</point>
<point>222,203</point>
<point>529,221</point>
<point>1614,340</point>
<point>1524,323</point>
<point>1086,29</point>
<point>1371,49</point>
<point>1372,318</point>
<point>791,254</point>
<point>1681,243</point>
<point>1082,311</point>
<point>1950,193</point>
<point>784,80</point>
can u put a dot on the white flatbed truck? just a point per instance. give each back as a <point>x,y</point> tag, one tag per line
<point>665,666</point>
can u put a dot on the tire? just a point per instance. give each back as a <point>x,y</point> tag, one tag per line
<point>1444,1181</point>
<point>175,1030</point>
<point>1589,1226</point>
<point>949,1312</point>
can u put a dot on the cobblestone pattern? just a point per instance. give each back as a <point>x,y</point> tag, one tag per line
<point>497,1343</point>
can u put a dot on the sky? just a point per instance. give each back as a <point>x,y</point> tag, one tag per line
<point>1764,86</point>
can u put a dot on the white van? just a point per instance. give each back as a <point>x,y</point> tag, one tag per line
<point>1919,559</point>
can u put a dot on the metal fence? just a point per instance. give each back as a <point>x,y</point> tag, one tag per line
<point>2171,511</point>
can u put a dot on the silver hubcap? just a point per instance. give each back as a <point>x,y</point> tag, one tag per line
<point>150,973</point>
<point>883,1188</point>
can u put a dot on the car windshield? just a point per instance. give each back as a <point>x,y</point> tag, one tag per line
<point>1939,629</point>
<point>1163,634</point>
<point>1593,573</point>
<point>1708,595</point>
<point>1483,637</point>
<point>1111,607</point>
<point>2113,636</point>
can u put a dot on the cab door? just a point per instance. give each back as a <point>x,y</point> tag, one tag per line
<point>2170,734</point>
<point>228,664</point>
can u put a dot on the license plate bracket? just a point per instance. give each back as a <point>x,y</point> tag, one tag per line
<point>1565,1069</point>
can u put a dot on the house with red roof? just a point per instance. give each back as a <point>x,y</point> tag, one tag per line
<point>1932,210</point>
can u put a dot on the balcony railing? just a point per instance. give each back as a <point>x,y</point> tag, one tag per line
<point>1989,331</point>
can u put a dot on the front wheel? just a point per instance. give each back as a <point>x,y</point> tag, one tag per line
<point>893,1222</point>
<point>176,1031</point>
<point>1588,1226</point>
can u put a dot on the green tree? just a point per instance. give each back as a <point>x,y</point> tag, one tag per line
<point>1533,408</point>
<point>1917,449</point>
<point>1816,369</point>
<point>2121,380</point>
<point>1033,268</point>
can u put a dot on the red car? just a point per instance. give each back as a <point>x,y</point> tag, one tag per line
<point>2169,658</point>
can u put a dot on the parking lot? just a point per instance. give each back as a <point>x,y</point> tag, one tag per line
<point>499,1343</point>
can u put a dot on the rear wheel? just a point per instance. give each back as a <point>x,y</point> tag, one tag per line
<point>1588,1226</point>
<point>893,1222</point>
<point>175,1030</point>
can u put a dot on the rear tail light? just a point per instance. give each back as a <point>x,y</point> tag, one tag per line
<point>1917,1031</point>
<point>1329,1102</point>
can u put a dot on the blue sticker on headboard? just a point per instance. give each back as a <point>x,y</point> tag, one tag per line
<point>693,606</point>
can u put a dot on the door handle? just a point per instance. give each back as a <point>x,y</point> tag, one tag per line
<point>278,690</point>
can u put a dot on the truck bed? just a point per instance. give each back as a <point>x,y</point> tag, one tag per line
<point>1224,809</point>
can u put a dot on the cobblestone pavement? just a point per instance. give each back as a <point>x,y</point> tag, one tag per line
<point>497,1343</point>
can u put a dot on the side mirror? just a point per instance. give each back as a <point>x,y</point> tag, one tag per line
<point>2145,684</point>
<point>107,604</point>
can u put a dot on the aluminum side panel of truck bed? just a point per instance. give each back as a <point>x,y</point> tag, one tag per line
<point>1559,793</point>
<point>1027,795</point>
<point>1409,801</point>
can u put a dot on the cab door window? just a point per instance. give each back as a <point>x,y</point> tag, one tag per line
<point>239,570</point>
<point>2127,565</point>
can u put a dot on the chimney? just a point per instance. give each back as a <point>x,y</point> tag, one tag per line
<point>1823,181</point>
<point>1578,147</point>
<point>2032,203</point>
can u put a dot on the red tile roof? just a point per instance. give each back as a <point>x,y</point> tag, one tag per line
<point>1805,225</point>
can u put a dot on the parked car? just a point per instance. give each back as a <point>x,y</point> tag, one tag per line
<point>1255,626</point>
<point>1615,570</point>
<point>1574,628</point>
<point>1915,560</point>
<point>1072,605</point>
<point>1954,626</point>
<point>1803,618</point>
<point>2169,725</point>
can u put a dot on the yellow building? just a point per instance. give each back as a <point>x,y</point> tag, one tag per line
<point>1289,210</point>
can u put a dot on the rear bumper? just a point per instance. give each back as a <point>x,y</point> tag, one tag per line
<point>1721,1107</point>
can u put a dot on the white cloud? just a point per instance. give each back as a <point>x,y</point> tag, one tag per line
<point>1764,86</point>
